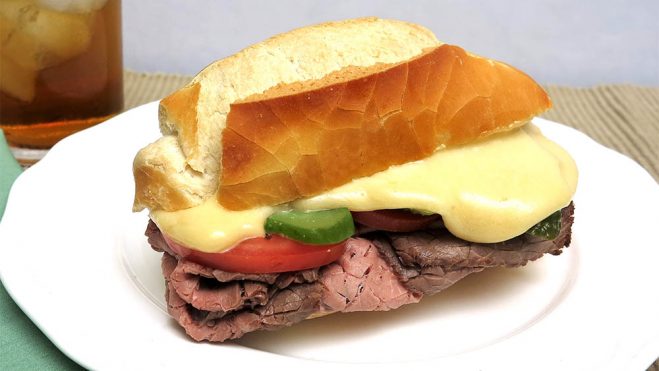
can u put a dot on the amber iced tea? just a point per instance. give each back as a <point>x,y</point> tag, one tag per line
<point>60,68</point>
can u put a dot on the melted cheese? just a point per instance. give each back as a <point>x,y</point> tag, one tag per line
<point>488,191</point>
<point>211,228</point>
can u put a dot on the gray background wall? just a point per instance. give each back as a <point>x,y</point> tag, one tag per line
<point>578,43</point>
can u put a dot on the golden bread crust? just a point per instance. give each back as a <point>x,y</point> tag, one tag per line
<point>301,139</point>
<point>313,108</point>
<point>193,118</point>
<point>180,110</point>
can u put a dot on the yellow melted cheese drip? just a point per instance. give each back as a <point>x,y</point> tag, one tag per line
<point>488,191</point>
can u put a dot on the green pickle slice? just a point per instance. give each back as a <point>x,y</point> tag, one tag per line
<point>322,227</point>
<point>548,228</point>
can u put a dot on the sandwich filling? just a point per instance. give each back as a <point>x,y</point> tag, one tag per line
<point>489,191</point>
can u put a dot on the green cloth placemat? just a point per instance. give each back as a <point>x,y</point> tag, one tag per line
<point>9,170</point>
<point>622,117</point>
<point>22,345</point>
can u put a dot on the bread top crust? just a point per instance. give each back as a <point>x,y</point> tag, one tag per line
<point>311,109</point>
<point>196,115</point>
<point>301,139</point>
<point>304,54</point>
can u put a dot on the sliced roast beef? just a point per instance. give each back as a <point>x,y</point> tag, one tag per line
<point>432,260</point>
<point>359,281</point>
<point>362,281</point>
<point>378,271</point>
<point>223,292</point>
<point>283,307</point>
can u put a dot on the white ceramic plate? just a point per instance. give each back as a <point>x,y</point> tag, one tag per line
<point>73,257</point>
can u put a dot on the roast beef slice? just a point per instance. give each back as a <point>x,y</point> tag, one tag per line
<point>379,271</point>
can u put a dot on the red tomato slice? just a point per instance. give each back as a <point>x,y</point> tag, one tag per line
<point>273,254</point>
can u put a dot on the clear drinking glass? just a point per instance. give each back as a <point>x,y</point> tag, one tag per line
<point>60,69</point>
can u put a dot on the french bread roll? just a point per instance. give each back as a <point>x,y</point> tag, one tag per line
<point>312,109</point>
<point>301,139</point>
<point>178,178</point>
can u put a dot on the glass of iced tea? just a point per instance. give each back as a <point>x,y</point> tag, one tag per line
<point>60,69</point>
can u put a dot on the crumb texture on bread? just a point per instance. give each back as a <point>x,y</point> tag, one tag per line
<point>196,115</point>
<point>163,178</point>
<point>301,139</point>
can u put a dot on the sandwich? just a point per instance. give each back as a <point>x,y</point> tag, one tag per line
<point>357,165</point>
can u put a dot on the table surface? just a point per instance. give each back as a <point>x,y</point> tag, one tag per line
<point>622,117</point>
